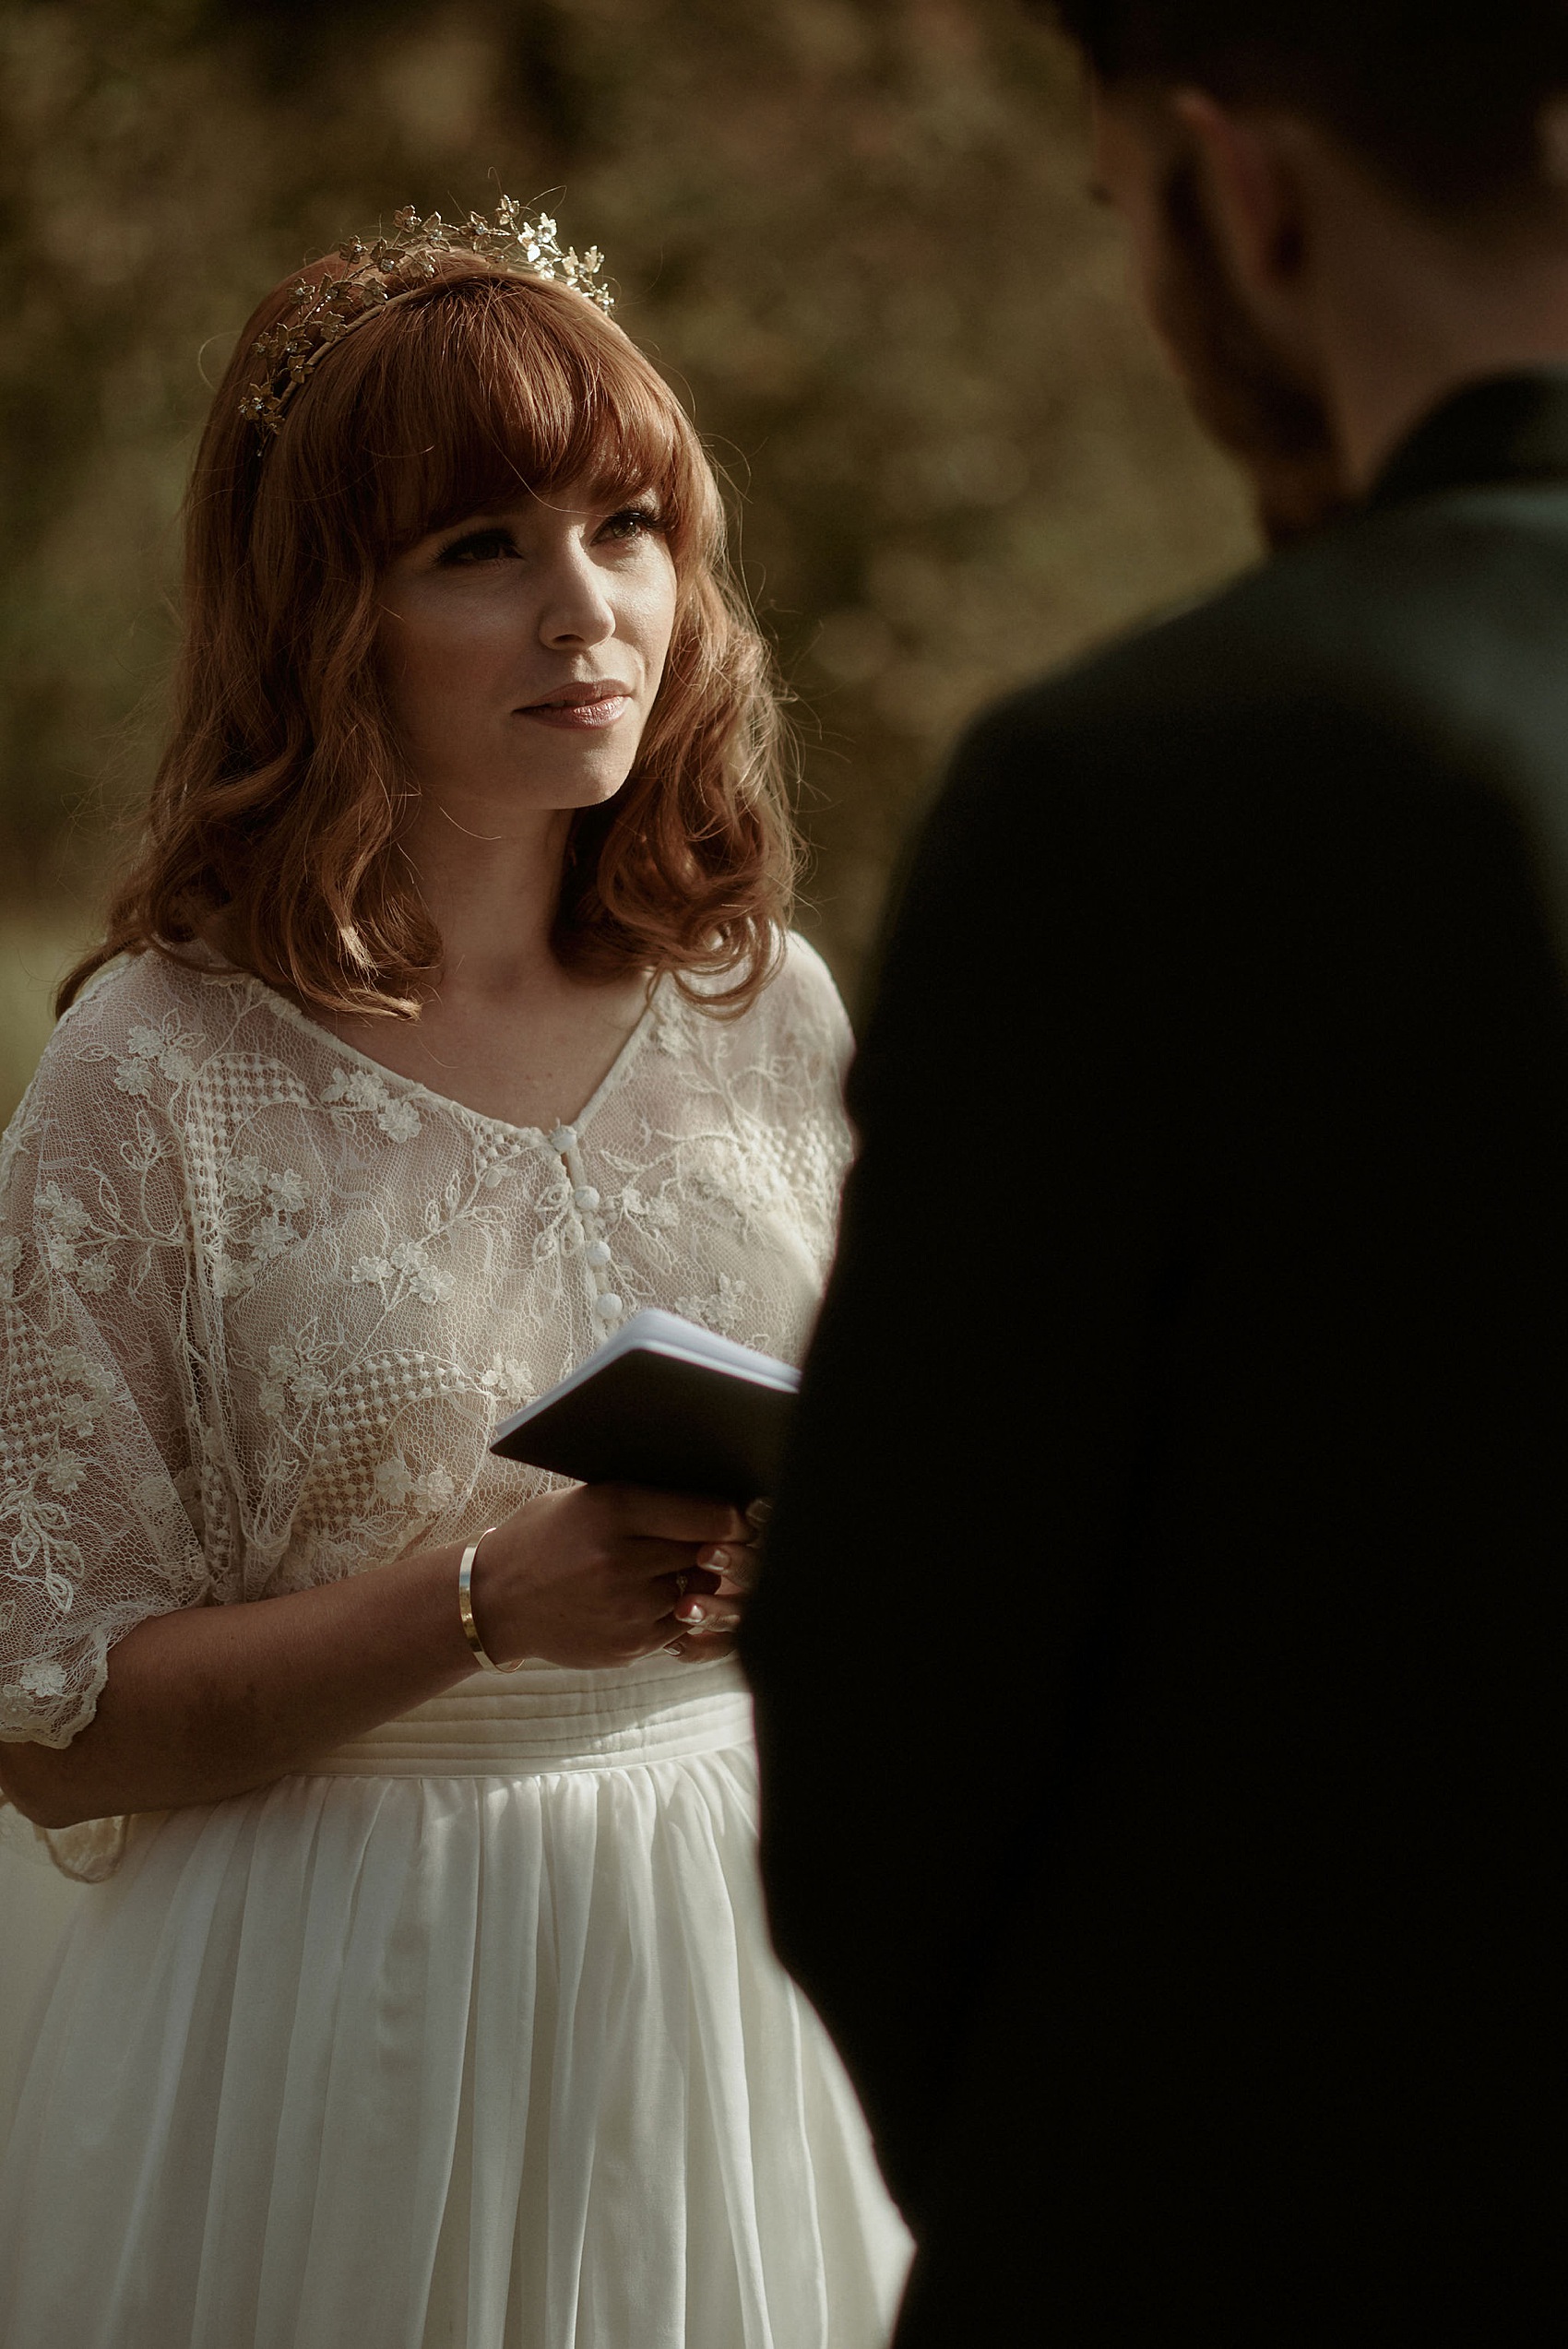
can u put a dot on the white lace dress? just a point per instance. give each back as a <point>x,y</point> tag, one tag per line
<point>470,2034</point>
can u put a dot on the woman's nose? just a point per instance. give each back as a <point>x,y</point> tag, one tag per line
<point>576,610</point>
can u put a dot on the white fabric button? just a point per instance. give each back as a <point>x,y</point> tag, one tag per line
<point>608,1307</point>
<point>585,1198</point>
<point>599,1254</point>
<point>563,1138</point>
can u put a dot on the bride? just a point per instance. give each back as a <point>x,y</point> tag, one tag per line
<point>422,1993</point>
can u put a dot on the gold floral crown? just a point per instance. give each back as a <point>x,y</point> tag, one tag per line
<point>324,313</point>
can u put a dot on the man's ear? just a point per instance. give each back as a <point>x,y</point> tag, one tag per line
<point>1252,193</point>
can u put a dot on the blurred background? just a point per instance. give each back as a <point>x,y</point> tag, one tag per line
<point>856,234</point>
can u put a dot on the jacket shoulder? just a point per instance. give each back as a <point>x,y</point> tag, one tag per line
<point>1399,621</point>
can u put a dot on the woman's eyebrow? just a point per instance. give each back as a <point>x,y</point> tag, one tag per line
<point>469,525</point>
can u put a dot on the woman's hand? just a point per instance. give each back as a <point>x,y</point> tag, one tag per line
<point>605,1573</point>
<point>710,1622</point>
<point>208,1702</point>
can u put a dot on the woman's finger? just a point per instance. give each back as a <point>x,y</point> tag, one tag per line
<point>657,1561</point>
<point>701,1615</point>
<point>667,1592</point>
<point>701,1648</point>
<point>735,1562</point>
<point>672,1517</point>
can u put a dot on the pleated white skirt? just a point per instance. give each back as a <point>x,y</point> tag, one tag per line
<point>471,2038</point>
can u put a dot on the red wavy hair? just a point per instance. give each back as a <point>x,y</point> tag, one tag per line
<point>281,799</point>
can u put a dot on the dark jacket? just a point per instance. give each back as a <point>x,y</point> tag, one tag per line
<point>1159,1659</point>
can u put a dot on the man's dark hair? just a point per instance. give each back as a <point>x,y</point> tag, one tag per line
<point>1442,97</point>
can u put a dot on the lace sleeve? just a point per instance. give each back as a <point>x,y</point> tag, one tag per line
<point>99,1488</point>
<point>819,1012</point>
<point>811,1046</point>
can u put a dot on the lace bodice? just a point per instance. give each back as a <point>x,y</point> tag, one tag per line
<point>265,1300</point>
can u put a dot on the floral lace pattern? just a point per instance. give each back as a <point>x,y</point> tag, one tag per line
<point>262,1302</point>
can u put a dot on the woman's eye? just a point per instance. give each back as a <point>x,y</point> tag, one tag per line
<point>477,546</point>
<point>631,522</point>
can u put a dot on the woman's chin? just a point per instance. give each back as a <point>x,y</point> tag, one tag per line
<point>573,784</point>
<point>590,791</point>
<point>582,776</point>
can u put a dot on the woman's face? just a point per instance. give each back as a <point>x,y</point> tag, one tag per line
<point>521,650</point>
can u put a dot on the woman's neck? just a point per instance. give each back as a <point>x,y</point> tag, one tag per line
<point>507,1031</point>
<point>493,895</point>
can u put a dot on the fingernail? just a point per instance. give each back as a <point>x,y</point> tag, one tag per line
<point>759,1513</point>
<point>715,1557</point>
<point>689,1612</point>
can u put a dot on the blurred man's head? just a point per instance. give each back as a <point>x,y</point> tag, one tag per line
<point>1299,174</point>
<point>1443,98</point>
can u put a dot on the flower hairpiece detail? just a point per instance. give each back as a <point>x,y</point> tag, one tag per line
<point>378,272</point>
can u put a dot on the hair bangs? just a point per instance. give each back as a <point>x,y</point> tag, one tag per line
<point>486,388</point>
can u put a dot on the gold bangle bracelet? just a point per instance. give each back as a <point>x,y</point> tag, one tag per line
<point>466,1608</point>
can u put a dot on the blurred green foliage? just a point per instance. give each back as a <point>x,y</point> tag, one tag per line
<point>856,233</point>
<point>36,945</point>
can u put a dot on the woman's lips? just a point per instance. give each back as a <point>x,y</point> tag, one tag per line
<point>580,717</point>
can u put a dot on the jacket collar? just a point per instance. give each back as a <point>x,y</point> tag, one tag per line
<point>1510,428</point>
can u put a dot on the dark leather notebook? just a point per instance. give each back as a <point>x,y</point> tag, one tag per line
<point>662,1403</point>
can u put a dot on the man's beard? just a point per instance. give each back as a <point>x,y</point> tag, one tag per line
<point>1245,394</point>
